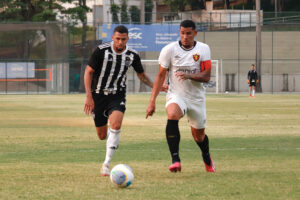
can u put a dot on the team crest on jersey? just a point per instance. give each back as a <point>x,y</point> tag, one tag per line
<point>196,57</point>
<point>127,61</point>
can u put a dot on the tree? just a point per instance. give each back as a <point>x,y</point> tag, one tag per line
<point>176,5</point>
<point>29,10</point>
<point>134,14</point>
<point>114,9</point>
<point>79,13</point>
<point>124,14</point>
<point>180,5</point>
<point>148,11</point>
<point>26,10</point>
<point>196,4</point>
<point>227,3</point>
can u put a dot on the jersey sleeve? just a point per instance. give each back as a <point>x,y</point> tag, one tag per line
<point>165,57</point>
<point>205,62</point>
<point>206,53</point>
<point>137,64</point>
<point>95,58</point>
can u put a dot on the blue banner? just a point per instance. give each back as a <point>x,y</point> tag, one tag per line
<point>17,70</point>
<point>145,37</point>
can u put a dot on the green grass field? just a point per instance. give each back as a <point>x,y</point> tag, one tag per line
<point>49,150</point>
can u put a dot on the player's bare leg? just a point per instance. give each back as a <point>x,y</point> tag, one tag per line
<point>202,141</point>
<point>102,132</point>
<point>115,120</point>
<point>173,135</point>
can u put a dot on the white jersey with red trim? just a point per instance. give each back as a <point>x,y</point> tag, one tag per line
<point>175,58</point>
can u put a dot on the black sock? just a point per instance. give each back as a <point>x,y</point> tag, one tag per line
<point>173,139</point>
<point>204,146</point>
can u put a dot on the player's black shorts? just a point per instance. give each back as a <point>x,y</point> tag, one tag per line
<point>106,104</point>
<point>252,83</point>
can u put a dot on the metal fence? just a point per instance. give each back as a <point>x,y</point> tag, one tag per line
<point>58,78</point>
<point>39,58</point>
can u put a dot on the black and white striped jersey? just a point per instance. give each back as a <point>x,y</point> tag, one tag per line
<point>111,67</point>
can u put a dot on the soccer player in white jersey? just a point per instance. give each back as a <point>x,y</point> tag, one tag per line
<point>105,86</point>
<point>188,64</point>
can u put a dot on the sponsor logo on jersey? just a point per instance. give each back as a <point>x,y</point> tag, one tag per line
<point>196,57</point>
<point>188,71</point>
<point>122,103</point>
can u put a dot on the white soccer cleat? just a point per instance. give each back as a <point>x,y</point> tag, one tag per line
<point>105,170</point>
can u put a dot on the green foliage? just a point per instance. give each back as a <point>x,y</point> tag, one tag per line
<point>41,10</point>
<point>179,5</point>
<point>115,9</point>
<point>266,5</point>
<point>135,14</point>
<point>196,4</point>
<point>77,13</point>
<point>148,11</point>
<point>46,15</point>
<point>31,10</point>
<point>124,14</point>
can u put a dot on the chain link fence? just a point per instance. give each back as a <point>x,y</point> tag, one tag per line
<point>39,58</point>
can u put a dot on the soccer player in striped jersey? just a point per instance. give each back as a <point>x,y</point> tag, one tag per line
<point>252,80</point>
<point>188,64</point>
<point>105,85</point>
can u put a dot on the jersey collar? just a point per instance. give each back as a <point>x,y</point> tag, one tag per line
<point>112,48</point>
<point>180,44</point>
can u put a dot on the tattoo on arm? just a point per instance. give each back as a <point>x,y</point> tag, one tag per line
<point>145,79</point>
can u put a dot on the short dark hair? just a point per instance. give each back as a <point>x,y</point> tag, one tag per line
<point>121,29</point>
<point>187,24</point>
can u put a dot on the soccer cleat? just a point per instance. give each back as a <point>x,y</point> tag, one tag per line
<point>250,96</point>
<point>105,170</point>
<point>175,167</point>
<point>211,167</point>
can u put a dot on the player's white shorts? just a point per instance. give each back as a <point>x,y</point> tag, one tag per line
<point>195,110</point>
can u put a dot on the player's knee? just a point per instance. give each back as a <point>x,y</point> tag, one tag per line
<point>115,126</point>
<point>102,137</point>
<point>199,135</point>
<point>173,116</point>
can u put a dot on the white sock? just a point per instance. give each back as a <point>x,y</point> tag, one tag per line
<point>111,144</point>
<point>253,92</point>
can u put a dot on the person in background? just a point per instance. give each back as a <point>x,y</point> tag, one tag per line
<point>252,80</point>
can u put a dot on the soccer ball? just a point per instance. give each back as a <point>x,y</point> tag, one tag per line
<point>121,175</point>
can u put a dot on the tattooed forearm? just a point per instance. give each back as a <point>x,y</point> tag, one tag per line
<point>145,79</point>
